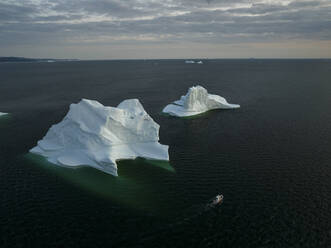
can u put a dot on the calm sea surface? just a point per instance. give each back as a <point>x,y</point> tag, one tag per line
<point>271,159</point>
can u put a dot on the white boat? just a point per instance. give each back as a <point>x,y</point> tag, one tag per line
<point>216,201</point>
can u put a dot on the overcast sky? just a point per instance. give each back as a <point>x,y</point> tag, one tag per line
<point>111,29</point>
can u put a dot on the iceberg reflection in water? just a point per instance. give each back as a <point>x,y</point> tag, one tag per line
<point>134,188</point>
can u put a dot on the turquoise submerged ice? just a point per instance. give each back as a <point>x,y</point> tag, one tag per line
<point>97,136</point>
<point>197,101</point>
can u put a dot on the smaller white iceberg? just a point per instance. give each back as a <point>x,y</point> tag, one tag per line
<point>1,114</point>
<point>189,62</point>
<point>197,101</point>
<point>200,62</point>
<point>98,136</point>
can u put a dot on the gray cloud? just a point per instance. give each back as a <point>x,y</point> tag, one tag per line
<point>10,12</point>
<point>64,22</point>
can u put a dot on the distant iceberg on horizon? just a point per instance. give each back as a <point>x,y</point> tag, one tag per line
<point>193,62</point>
<point>97,136</point>
<point>197,101</point>
<point>1,113</point>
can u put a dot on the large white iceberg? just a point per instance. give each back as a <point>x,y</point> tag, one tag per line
<point>97,136</point>
<point>2,113</point>
<point>197,101</point>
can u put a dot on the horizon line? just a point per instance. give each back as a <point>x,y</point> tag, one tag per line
<point>192,58</point>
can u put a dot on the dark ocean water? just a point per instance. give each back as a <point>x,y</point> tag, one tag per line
<point>271,159</point>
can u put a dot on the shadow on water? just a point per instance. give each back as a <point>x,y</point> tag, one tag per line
<point>138,186</point>
<point>197,116</point>
<point>187,117</point>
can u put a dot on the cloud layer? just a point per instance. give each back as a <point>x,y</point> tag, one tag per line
<point>134,22</point>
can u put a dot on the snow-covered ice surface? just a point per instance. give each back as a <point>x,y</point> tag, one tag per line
<point>97,136</point>
<point>1,114</point>
<point>197,101</point>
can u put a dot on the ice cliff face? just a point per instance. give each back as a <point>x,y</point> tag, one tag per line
<point>94,135</point>
<point>196,101</point>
